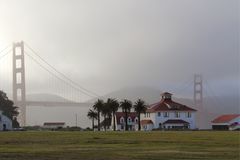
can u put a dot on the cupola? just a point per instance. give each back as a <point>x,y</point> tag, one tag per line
<point>166,96</point>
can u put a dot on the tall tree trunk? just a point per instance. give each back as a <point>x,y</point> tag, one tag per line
<point>114,125</point>
<point>93,124</point>
<point>104,123</point>
<point>98,121</point>
<point>139,123</point>
<point>126,123</point>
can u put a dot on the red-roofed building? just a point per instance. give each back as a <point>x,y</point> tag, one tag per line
<point>132,121</point>
<point>168,114</point>
<point>227,122</point>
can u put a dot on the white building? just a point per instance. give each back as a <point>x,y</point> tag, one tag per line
<point>5,123</point>
<point>168,114</point>
<point>227,122</point>
<point>132,121</point>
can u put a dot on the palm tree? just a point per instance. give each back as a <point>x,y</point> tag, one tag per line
<point>139,107</point>
<point>126,106</point>
<point>106,113</point>
<point>92,115</point>
<point>113,105</point>
<point>98,106</point>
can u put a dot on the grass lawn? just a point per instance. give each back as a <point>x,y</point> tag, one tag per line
<point>120,145</point>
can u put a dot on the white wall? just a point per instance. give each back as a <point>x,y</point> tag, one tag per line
<point>156,119</point>
<point>147,127</point>
<point>4,120</point>
<point>234,120</point>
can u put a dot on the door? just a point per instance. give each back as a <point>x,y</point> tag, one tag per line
<point>4,127</point>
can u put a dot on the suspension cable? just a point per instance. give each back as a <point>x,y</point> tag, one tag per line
<point>63,75</point>
<point>5,48</point>
<point>53,74</point>
<point>4,55</point>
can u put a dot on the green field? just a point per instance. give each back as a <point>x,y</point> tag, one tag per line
<point>119,145</point>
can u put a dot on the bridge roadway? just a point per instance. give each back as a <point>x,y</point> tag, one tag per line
<point>57,104</point>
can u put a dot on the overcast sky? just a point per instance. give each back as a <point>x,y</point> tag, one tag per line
<point>107,45</point>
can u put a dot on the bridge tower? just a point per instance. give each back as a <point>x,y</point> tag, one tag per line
<point>198,90</point>
<point>198,101</point>
<point>18,86</point>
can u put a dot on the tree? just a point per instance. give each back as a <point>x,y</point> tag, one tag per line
<point>126,106</point>
<point>113,106</point>
<point>98,106</point>
<point>139,107</point>
<point>92,115</point>
<point>8,108</point>
<point>106,113</point>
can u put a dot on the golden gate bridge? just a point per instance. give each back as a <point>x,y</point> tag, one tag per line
<point>64,86</point>
<point>70,89</point>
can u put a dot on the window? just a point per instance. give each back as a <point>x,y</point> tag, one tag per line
<point>188,115</point>
<point>177,114</point>
<point>147,115</point>
<point>159,114</point>
<point>136,120</point>
<point>129,119</point>
<point>166,114</point>
<point>121,120</point>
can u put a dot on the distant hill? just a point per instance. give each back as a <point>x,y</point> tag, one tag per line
<point>149,95</point>
<point>213,106</point>
<point>46,97</point>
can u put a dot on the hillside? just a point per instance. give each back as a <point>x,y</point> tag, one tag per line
<point>45,97</point>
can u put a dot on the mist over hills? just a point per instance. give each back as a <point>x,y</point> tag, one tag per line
<point>217,104</point>
<point>148,94</point>
<point>212,107</point>
<point>46,97</point>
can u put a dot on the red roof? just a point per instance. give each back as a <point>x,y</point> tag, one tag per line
<point>133,115</point>
<point>175,121</point>
<point>225,118</point>
<point>146,122</point>
<point>168,105</point>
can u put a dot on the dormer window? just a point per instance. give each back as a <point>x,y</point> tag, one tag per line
<point>136,120</point>
<point>121,120</point>
<point>129,119</point>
